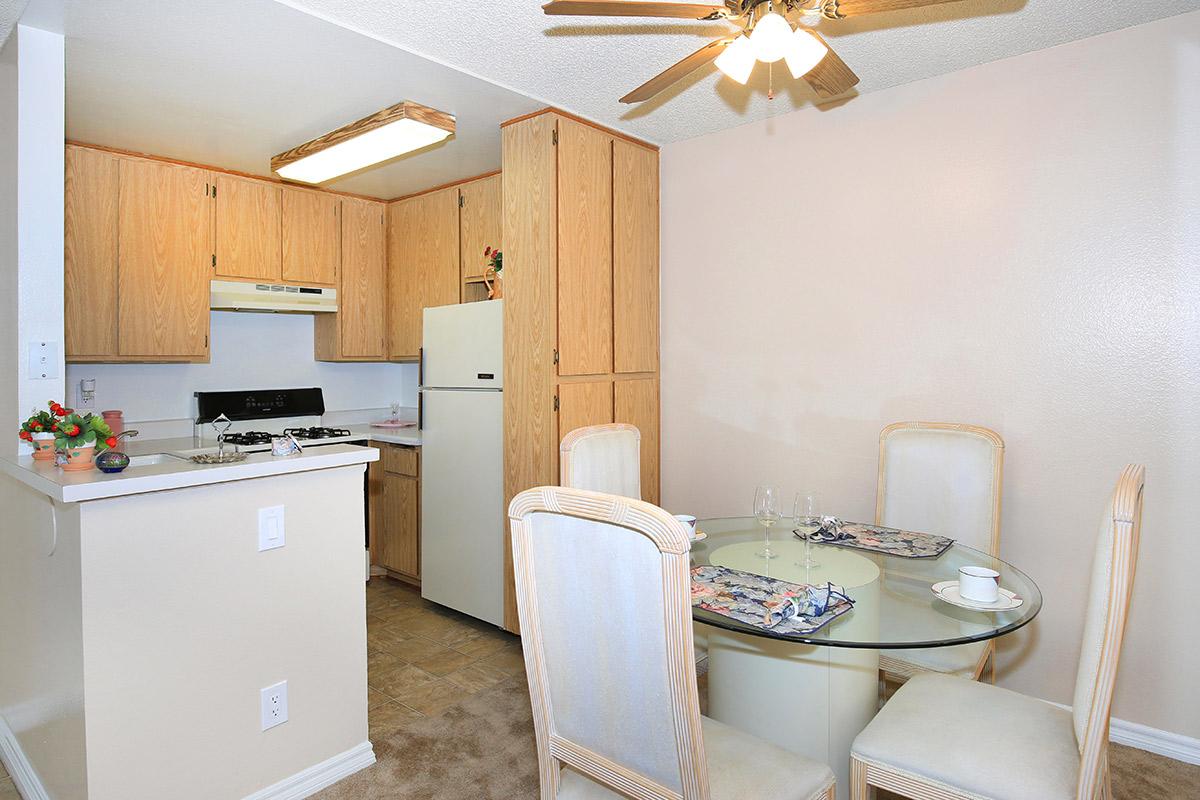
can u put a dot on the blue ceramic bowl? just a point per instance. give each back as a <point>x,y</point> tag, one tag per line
<point>111,461</point>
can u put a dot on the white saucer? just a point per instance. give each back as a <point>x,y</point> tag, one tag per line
<point>700,536</point>
<point>948,591</point>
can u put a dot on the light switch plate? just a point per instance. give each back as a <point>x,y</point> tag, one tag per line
<point>270,528</point>
<point>43,360</point>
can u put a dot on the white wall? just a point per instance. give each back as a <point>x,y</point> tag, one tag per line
<point>1015,245</point>
<point>31,202</point>
<point>249,351</point>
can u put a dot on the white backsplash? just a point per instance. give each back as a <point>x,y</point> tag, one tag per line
<point>249,351</point>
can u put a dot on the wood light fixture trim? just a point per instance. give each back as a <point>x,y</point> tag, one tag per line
<point>403,110</point>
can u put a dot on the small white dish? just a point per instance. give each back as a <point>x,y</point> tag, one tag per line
<point>948,591</point>
<point>700,536</point>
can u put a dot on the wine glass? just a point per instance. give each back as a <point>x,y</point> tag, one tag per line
<point>766,511</point>
<point>806,517</point>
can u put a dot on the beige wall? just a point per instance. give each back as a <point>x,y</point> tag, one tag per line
<point>1015,245</point>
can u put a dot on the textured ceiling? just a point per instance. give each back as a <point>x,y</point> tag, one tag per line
<point>233,82</point>
<point>585,64</point>
<point>10,12</point>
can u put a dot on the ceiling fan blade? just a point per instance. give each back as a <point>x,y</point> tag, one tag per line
<point>830,77</point>
<point>662,80</point>
<point>840,9</point>
<point>635,8</point>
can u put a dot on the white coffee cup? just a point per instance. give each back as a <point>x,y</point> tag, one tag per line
<point>690,521</point>
<point>979,584</point>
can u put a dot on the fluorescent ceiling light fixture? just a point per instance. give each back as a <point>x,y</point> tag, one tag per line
<point>804,52</point>
<point>771,37</point>
<point>392,132</point>
<point>737,61</point>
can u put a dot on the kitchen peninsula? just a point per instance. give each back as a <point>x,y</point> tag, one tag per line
<point>143,614</point>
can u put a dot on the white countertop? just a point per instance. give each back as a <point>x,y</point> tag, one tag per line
<point>406,436</point>
<point>71,487</point>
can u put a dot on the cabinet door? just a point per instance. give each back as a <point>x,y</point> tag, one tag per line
<point>479,223</point>
<point>423,264</point>
<point>90,252</point>
<point>165,259</point>
<point>635,258</point>
<point>401,548</point>
<point>248,229</point>
<point>311,237</point>
<point>636,402</point>
<point>377,534</point>
<point>581,404</point>
<point>585,332</point>
<point>362,296</point>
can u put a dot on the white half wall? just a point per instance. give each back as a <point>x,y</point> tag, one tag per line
<point>31,219</point>
<point>249,351</point>
<point>1015,245</point>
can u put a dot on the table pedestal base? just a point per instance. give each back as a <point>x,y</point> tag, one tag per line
<point>807,699</point>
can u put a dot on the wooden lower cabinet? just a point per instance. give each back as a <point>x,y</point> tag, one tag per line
<point>635,402</point>
<point>395,493</point>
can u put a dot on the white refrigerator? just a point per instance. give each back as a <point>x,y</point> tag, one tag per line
<point>462,458</point>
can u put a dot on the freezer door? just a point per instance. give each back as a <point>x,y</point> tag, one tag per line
<point>462,502</point>
<point>463,346</point>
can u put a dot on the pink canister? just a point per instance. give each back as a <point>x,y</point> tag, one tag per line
<point>115,419</point>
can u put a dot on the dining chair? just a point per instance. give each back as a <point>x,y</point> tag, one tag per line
<point>603,458</point>
<point>604,601</point>
<point>941,737</point>
<point>943,478</point>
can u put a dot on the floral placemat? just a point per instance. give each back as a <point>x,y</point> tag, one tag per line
<point>767,602</point>
<point>877,539</point>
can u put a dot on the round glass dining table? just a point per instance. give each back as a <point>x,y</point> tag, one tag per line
<point>814,692</point>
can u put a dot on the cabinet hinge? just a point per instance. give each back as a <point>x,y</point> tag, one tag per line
<point>554,136</point>
<point>214,191</point>
<point>556,355</point>
<point>556,402</point>
<point>462,201</point>
<point>214,260</point>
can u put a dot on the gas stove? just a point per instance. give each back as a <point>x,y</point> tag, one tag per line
<point>257,416</point>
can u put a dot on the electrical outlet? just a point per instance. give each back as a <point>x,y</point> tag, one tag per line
<point>274,705</point>
<point>86,393</point>
<point>270,528</point>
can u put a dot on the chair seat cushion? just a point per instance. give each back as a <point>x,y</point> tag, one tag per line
<point>740,767</point>
<point>958,660</point>
<point>978,738</point>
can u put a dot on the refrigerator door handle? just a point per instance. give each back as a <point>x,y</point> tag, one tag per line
<point>420,367</point>
<point>420,410</point>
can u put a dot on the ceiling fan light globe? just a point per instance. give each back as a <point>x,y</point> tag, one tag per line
<point>804,52</point>
<point>737,61</point>
<point>771,37</point>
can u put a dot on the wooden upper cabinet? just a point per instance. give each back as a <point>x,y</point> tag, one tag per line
<point>635,258</point>
<point>585,238</point>
<point>423,265</point>
<point>248,220</point>
<point>361,329</point>
<point>480,222</point>
<point>90,252</point>
<point>165,248</point>
<point>311,236</point>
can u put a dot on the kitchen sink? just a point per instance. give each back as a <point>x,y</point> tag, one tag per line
<point>150,459</point>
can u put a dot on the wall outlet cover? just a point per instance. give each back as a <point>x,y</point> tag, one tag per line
<point>43,360</point>
<point>274,702</point>
<point>270,528</point>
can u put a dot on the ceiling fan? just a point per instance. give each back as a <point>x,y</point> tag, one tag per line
<point>765,35</point>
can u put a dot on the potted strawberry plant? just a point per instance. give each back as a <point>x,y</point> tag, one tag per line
<point>41,430</point>
<point>495,265</point>
<point>81,437</point>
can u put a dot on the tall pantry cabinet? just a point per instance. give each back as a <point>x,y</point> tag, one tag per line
<point>580,216</point>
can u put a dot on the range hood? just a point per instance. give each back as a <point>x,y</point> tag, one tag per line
<point>244,296</point>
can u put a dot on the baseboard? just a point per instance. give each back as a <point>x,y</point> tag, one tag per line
<point>1152,740</point>
<point>318,776</point>
<point>29,786</point>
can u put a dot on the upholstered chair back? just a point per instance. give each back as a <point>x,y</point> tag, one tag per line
<point>602,458</point>
<point>604,602</point>
<point>942,478</point>
<point>1113,566</point>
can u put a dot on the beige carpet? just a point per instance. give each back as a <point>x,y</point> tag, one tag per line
<point>483,749</point>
